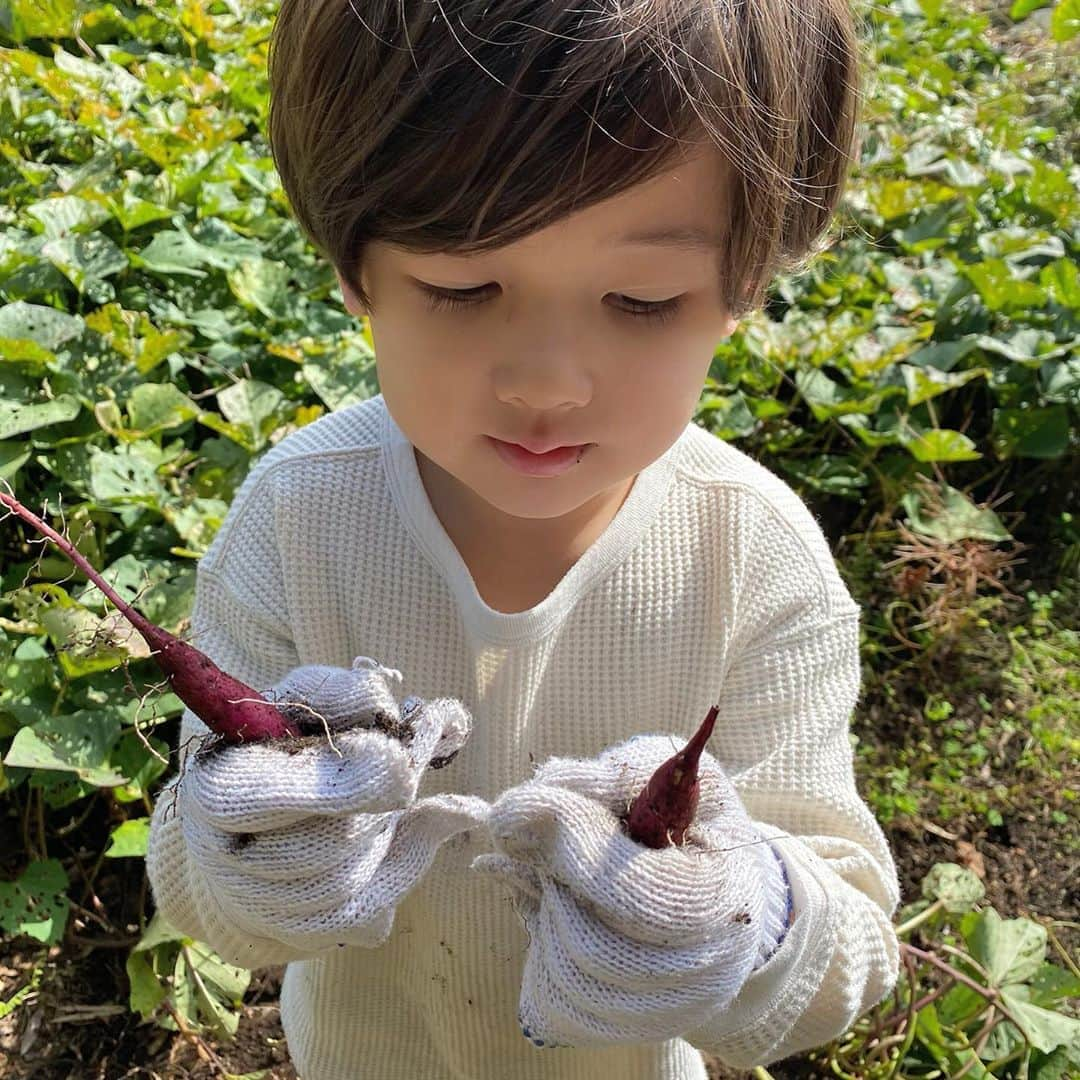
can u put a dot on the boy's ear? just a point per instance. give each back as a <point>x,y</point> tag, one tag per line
<point>352,302</point>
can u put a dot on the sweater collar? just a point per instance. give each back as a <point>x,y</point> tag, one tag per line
<point>623,532</point>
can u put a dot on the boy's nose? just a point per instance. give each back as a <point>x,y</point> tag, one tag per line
<point>543,379</point>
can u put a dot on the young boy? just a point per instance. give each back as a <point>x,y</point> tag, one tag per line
<point>550,215</point>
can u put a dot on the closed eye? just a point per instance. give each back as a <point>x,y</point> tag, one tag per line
<point>439,299</point>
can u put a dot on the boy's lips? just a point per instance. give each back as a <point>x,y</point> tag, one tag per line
<point>540,446</point>
<point>552,463</point>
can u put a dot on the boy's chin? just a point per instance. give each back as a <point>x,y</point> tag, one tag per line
<point>549,499</point>
<point>536,498</point>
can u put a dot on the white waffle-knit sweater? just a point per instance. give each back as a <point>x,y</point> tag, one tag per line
<point>713,583</point>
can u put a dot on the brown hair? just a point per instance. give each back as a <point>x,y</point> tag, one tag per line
<point>464,125</point>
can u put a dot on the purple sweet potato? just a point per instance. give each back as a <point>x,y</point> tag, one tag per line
<point>665,807</point>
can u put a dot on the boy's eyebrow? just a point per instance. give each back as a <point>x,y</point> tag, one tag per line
<point>685,237</point>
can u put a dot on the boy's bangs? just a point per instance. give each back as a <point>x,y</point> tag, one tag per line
<point>533,124</point>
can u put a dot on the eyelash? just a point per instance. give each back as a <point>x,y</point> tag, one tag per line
<point>659,311</point>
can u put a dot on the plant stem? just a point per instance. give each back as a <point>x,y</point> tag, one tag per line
<point>960,955</point>
<point>193,1037</point>
<point>937,962</point>
<point>930,912</point>
<point>898,1060</point>
<point>1061,950</point>
<point>999,1063</point>
<point>988,992</point>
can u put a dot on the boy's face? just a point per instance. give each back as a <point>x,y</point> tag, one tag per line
<point>549,348</point>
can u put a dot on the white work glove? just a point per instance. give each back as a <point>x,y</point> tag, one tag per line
<point>312,842</point>
<point>627,943</point>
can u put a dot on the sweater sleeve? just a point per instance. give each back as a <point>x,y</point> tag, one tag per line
<point>785,706</point>
<point>237,621</point>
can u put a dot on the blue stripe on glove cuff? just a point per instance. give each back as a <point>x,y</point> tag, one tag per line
<point>779,899</point>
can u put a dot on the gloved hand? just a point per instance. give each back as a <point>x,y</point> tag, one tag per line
<point>628,943</point>
<point>314,842</point>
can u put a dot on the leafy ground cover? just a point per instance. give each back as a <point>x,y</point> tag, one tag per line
<point>163,322</point>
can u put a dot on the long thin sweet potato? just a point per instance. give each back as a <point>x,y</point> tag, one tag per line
<point>227,706</point>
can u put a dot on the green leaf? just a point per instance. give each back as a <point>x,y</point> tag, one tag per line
<point>929,1032</point>
<point>925,383</point>
<point>128,576</point>
<point>942,355</point>
<point>29,355</point>
<point>959,1003</point>
<point>895,198</point>
<point>238,434</point>
<point>28,682</point>
<point>155,586</point>
<point>1025,346</point>
<point>828,398</point>
<point>173,252</point>
<point>830,474</point>
<point>78,744</point>
<point>146,990</point>
<point>1056,1066</point>
<point>1016,243</point>
<point>225,248</point>
<point>84,643</point>
<point>968,1062</point>
<point>219,990</point>
<point>106,79</point>
<point>955,886</point>
<point>17,418</point>
<point>63,215</point>
<point>929,1026</point>
<point>36,903</point>
<point>13,456</point>
<point>262,284</point>
<point>1061,279</point>
<point>24,19</point>
<point>86,261</point>
<point>1031,432</point>
<point>128,840</point>
<point>727,416</point>
<point>1004,1039</point>
<point>134,336</point>
<point>1011,950</point>
<point>1022,8</point>
<point>127,474</point>
<point>1052,983</point>
<point>1050,190</point>
<point>254,407</point>
<point>958,518</point>
<point>345,376</point>
<point>1065,21</point>
<point>132,758</point>
<point>133,211</point>
<point>198,522</point>
<point>1044,1029</point>
<point>159,931</point>
<point>46,326</point>
<point>926,159</point>
<point>930,229</point>
<point>940,444</point>
<point>1001,289</point>
<point>154,407</point>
